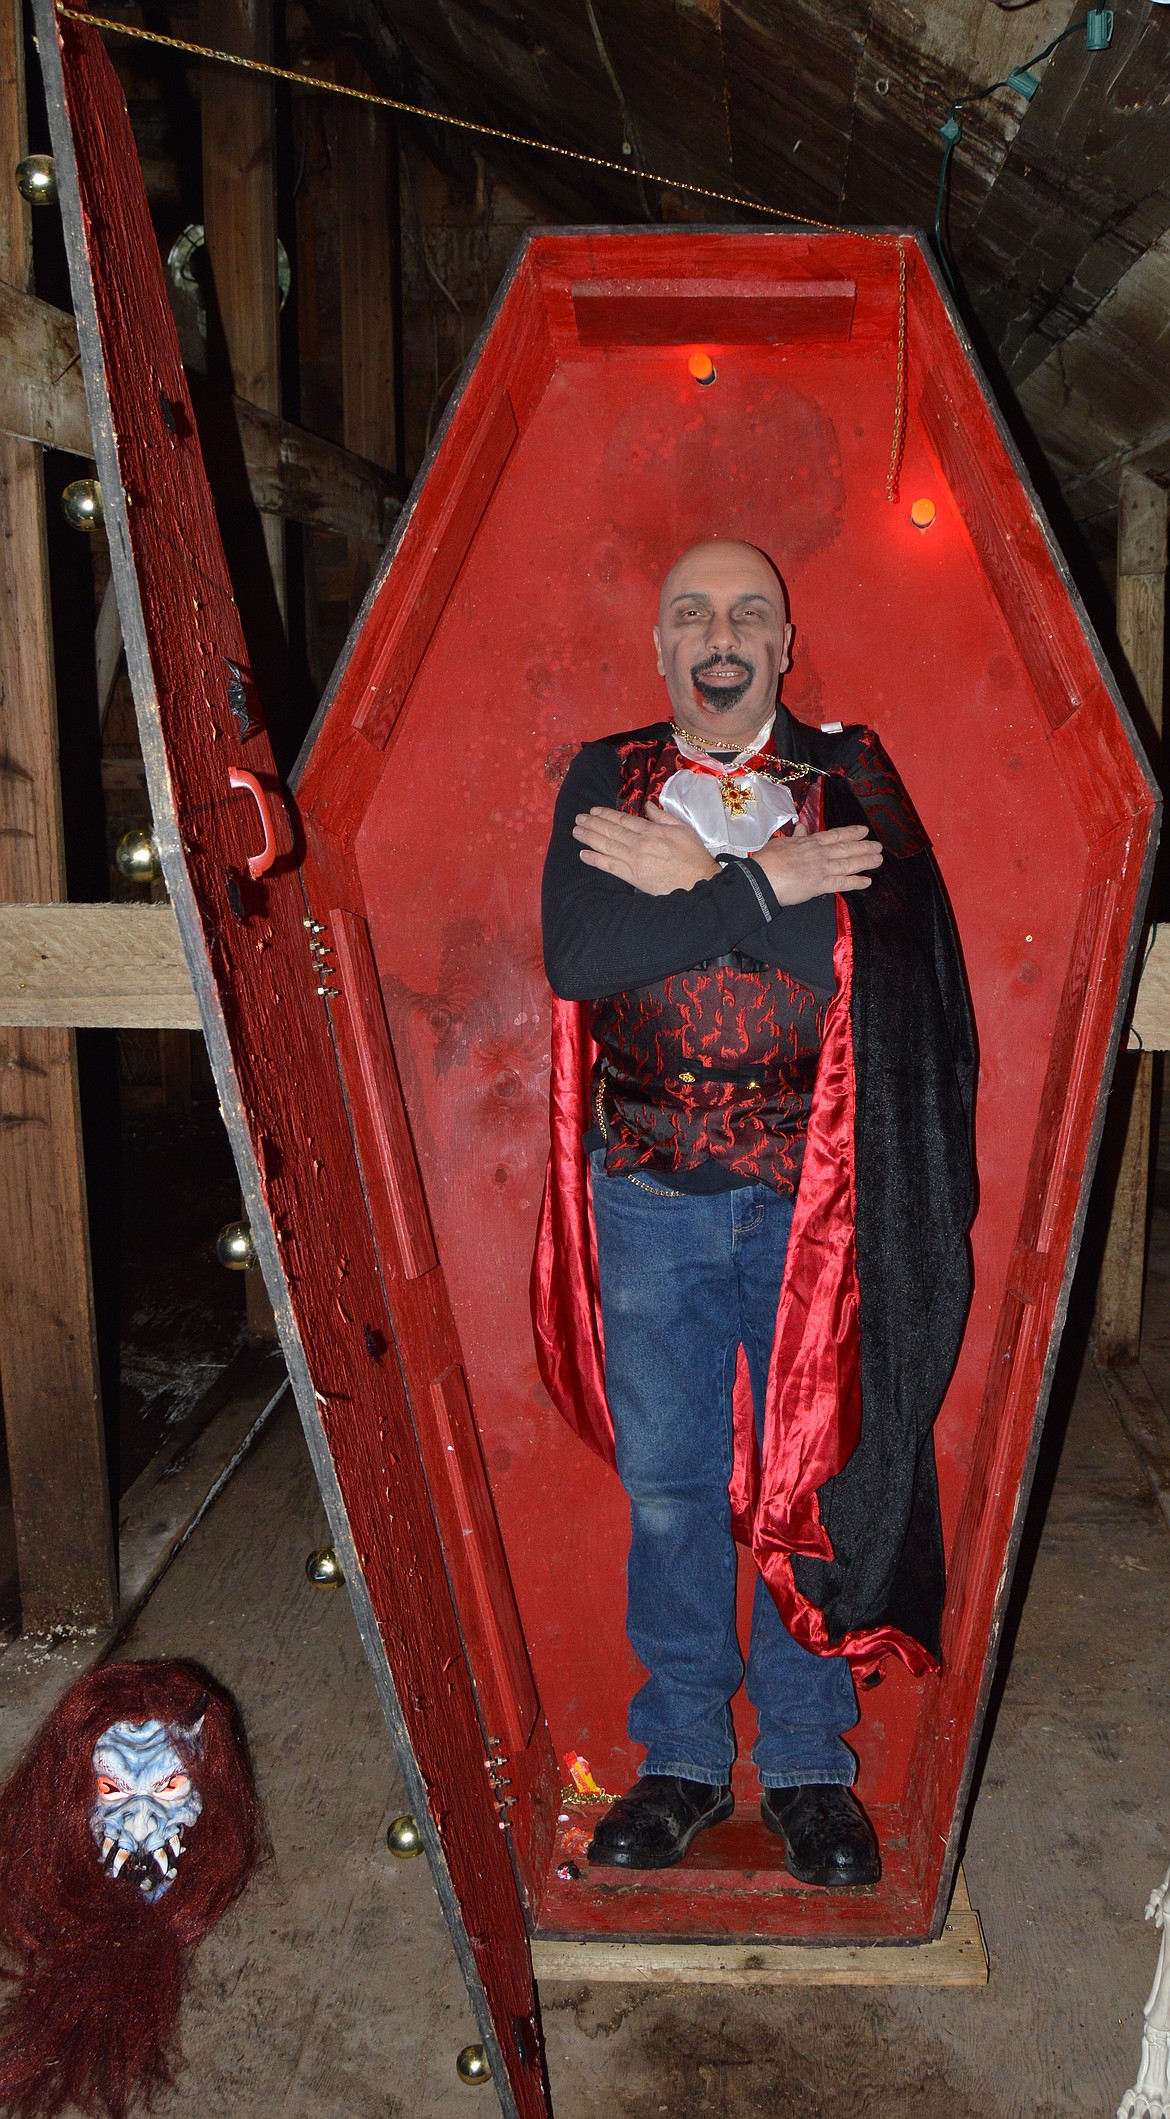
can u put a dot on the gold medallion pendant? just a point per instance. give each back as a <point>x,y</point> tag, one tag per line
<point>736,798</point>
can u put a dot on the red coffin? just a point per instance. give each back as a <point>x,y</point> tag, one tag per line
<point>384,1069</point>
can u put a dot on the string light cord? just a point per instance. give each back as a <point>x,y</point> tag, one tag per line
<point>1021,82</point>
<point>536,145</point>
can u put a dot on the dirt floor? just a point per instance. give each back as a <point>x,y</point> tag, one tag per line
<point>332,1992</point>
<point>172,1327</point>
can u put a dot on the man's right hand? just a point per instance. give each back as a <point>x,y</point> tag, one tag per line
<point>816,864</point>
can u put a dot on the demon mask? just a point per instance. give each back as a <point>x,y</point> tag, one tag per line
<point>146,1796</point>
<point>126,1830</point>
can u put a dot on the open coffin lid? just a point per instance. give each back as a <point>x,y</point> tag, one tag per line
<point>384,1070</point>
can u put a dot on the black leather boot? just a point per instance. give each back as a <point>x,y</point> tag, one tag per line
<point>827,1836</point>
<point>652,1826</point>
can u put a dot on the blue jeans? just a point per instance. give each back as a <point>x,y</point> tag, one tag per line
<point>685,1279</point>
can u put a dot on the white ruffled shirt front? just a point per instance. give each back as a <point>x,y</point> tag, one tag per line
<point>759,806</point>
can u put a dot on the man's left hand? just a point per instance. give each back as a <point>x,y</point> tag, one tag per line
<point>657,853</point>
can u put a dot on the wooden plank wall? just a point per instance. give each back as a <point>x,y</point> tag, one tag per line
<point>48,1347</point>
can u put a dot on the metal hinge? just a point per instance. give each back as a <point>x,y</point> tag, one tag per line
<point>499,1782</point>
<point>321,952</point>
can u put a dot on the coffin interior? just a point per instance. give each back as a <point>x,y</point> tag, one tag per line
<point>512,622</point>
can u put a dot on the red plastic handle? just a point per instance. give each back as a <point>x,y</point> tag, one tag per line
<point>258,863</point>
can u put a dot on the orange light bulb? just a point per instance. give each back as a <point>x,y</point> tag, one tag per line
<point>922,513</point>
<point>702,367</point>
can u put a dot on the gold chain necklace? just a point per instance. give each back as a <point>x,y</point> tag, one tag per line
<point>704,743</point>
<point>790,765</point>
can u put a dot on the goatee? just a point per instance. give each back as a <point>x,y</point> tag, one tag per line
<point>721,698</point>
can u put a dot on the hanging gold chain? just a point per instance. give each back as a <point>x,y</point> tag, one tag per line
<point>548,147</point>
<point>899,436</point>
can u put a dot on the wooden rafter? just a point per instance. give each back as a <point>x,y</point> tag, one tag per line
<point>1055,202</point>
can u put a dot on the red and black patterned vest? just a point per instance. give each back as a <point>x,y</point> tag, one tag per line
<point>662,1048</point>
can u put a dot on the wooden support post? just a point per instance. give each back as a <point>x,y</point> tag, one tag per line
<point>239,216</point>
<point>48,1348</point>
<point>368,160</point>
<point>318,274</point>
<point>1141,620</point>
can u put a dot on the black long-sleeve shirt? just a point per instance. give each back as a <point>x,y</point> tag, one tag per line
<point>602,936</point>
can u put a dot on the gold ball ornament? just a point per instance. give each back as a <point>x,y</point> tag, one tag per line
<point>36,180</point>
<point>234,1247</point>
<point>136,857</point>
<point>404,1838</point>
<point>324,1568</point>
<point>471,2065</point>
<point>81,505</point>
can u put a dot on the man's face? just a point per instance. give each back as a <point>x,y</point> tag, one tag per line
<point>723,640</point>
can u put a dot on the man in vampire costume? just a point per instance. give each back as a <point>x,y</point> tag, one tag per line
<point>751,1280</point>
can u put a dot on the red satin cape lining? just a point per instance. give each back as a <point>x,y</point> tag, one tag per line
<point>812,1416</point>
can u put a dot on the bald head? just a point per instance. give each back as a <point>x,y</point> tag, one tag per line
<point>722,560</point>
<point>723,639</point>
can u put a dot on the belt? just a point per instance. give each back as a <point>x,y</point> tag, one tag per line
<point>800,1074</point>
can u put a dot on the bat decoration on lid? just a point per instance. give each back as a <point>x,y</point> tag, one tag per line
<point>126,1830</point>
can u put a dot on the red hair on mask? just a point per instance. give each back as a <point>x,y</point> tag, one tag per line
<point>98,1974</point>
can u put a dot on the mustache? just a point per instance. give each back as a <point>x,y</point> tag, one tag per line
<point>716,661</point>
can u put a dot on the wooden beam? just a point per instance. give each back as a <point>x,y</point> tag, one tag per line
<point>121,967</point>
<point>310,480</point>
<point>1140,455</point>
<point>118,967</point>
<point>1141,621</point>
<point>49,1371</point>
<point>289,472</point>
<point>42,395</point>
<point>366,142</point>
<point>239,218</point>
